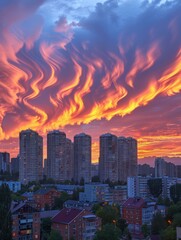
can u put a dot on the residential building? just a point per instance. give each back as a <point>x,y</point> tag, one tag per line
<point>108,162</point>
<point>137,212</point>
<point>127,158</point>
<point>4,162</point>
<point>45,197</point>
<point>31,156</point>
<point>25,222</point>
<point>170,169</point>
<point>14,186</point>
<point>160,167</point>
<point>76,223</point>
<point>56,145</point>
<point>138,187</point>
<point>145,170</point>
<point>91,223</point>
<point>82,158</point>
<point>94,192</point>
<point>15,165</point>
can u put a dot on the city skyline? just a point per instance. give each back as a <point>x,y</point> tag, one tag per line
<point>104,66</point>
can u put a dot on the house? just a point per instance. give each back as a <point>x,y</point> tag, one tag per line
<point>45,197</point>
<point>137,212</point>
<point>25,222</point>
<point>76,223</point>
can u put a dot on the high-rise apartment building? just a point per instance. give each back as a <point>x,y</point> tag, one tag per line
<point>82,157</point>
<point>31,156</point>
<point>56,141</point>
<point>160,167</point>
<point>127,158</point>
<point>108,164</point>
<point>69,160</point>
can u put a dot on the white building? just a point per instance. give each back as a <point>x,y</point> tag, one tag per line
<point>94,192</point>
<point>138,187</point>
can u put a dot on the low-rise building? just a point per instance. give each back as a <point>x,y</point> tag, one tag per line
<point>137,212</point>
<point>25,222</point>
<point>45,197</point>
<point>76,223</point>
<point>94,192</point>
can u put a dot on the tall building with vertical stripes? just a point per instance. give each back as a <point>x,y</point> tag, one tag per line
<point>82,157</point>
<point>30,156</point>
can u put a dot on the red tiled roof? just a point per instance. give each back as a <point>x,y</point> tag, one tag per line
<point>134,203</point>
<point>66,215</point>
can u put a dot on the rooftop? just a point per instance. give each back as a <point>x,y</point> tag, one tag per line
<point>134,203</point>
<point>66,215</point>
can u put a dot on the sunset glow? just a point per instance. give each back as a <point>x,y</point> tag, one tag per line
<point>104,72</point>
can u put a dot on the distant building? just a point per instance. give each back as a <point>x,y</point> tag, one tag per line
<point>145,170</point>
<point>76,223</point>
<point>45,197</point>
<point>108,164</point>
<point>25,222</point>
<point>4,162</point>
<point>178,171</point>
<point>94,192</point>
<point>15,165</point>
<point>160,167</point>
<point>14,186</point>
<point>31,156</point>
<point>170,169</point>
<point>82,157</point>
<point>138,187</point>
<point>127,158</point>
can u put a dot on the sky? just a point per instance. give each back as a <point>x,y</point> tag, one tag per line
<point>95,67</point>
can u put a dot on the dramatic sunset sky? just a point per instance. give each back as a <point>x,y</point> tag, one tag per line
<point>92,66</point>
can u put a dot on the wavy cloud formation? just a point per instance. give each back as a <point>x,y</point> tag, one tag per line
<point>107,65</point>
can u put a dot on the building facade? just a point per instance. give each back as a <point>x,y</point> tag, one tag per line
<point>82,157</point>
<point>108,163</point>
<point>31,156</point>
<point>25,222</point>
<point>4,162</point>
<point>56,142</point>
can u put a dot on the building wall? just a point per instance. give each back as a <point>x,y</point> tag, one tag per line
<point>82,157</point>
<point>31,156</point>
<point>108,165</point>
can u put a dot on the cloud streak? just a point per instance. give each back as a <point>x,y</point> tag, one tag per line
<point>105,66</point>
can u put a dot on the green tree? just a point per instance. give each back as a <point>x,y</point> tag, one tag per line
<point>108,232</point>
<point>145,230</point>
<point>122,225</point>
<point>172,210</point>
<point>5,213</point>
<point>155,186</point>
<point>168,234</point>
<point>75,195</point>
<point>108,214</point>
<point>176,220</point>
<point>55,235</point>
<point>59,201</point>
<point>45,228</point>
<point>175,192</point>
<point>158,224</point>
